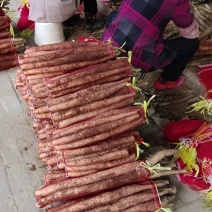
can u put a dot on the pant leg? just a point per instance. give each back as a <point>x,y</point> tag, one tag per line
<point>90,7</point>
<point>187,48</point>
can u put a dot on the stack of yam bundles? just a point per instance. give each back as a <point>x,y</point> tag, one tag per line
<point>9,47</point>
<point>82,105</point>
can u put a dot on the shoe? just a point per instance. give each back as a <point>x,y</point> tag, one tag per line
<point>73,21</point>
<point>160,85</point>
<point>92,23</point>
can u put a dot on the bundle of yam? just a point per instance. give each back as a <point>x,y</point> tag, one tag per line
<point>146,196</point>
<point>62,62</point>
<point>9,47</point>
<point>83,192</point>
<point>81,98</point>
<point>205,48</point>
<point>203,55</point>
<point>203,15</point>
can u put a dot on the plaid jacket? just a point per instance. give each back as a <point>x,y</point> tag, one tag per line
<point>141,24</point>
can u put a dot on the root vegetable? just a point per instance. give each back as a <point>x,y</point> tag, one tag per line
<point>63,156</point>
<point>80,173</point>
<point>90,79</point>
<point>119,154</point>
<point>99,186</point>
<point>91,188</point>
<point>61,160</point>
<point>4,27</point>
<point>204,52</point>
<point>105,145</point>
<point>35,81</point>
<point>201,60</point>
<point>102,136</point>
<point>109,79</point>
<point>152,160</point>
<point>93,109</point>
<point>166,173</point>
<point>91,97</point>
<point>206,33</point>
<point>4,34</point>
<point>90,132</point>
<point>113,196</point>
<point>41,76</point>
<point>6,45</point>
<point>8,57</point>
<point>102,175</point>
<point>100,166</point>
<point>200,18</point>
<point>41,56</point>
<point>97,120</point>
<point>60,46</point>
<point>206,43</point>
<point>135,199</point>
<point>38,85</point>
<point>65,68</point>
<point>94,69</point>
<point>73,58</point>
<point>53,177</point>
<point>8,64</point>
<point>84,92</point>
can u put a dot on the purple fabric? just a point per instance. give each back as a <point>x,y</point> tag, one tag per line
<point>141,24</point>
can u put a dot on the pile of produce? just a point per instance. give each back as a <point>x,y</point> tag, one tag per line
<point>9,47</point>
<point>205,48</point>
<point>82,101</point>
<point>135,197</point>
<point>128,178</point>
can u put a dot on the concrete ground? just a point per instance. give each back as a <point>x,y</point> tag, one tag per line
<point>21,172</point>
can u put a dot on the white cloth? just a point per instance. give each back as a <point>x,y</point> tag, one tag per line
<point>52,11</point>
<point>190,32</point>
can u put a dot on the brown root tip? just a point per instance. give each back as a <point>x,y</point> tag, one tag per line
<point>154,159</point>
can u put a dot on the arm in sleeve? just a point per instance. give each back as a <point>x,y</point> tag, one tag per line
<point>182,15</point>
<point>190,32</point>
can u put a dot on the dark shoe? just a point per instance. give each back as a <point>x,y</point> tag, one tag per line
<point>160,84</point>
<point>92,23</point>
<point>73,21</point>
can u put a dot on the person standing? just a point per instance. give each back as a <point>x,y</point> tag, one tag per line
<point>140,25</point>
<point>58,11</point>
